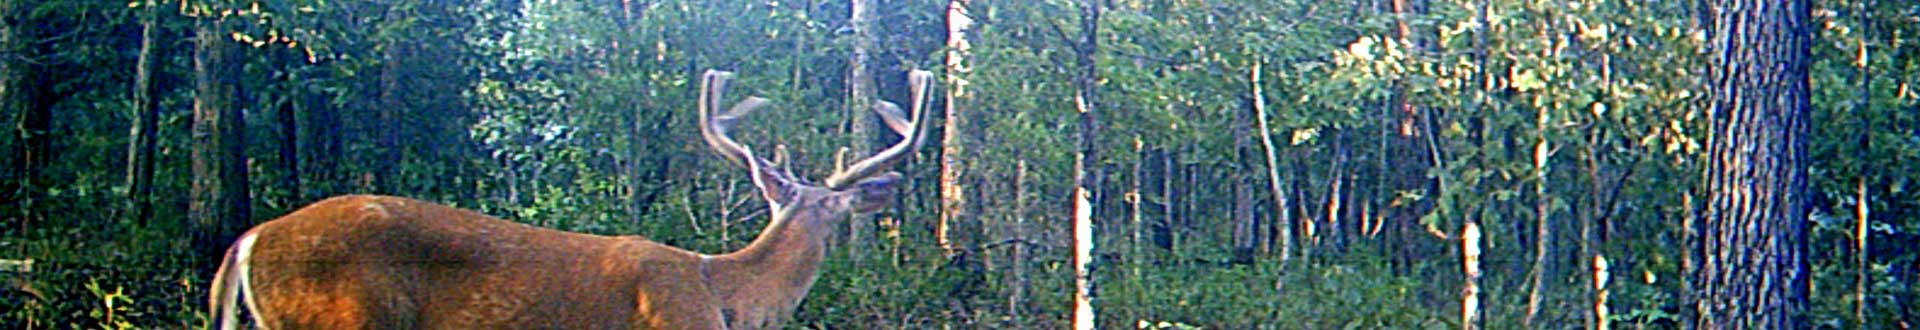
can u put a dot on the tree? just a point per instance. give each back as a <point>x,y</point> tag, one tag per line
<point>392,100</point>
<point>142,136</point>
<point>860,100</point>
<point>1086,80</point>
<point>23,93</point>
<point>1243,222</point>
<point>286,117</point>
<point>1281,205</point>
<point>219,203</point>
<point>1754,228</point>
<point>955,146</point>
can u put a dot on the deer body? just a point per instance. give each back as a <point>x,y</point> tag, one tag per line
<point>382,262</point>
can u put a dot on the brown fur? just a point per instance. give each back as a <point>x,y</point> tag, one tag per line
<point>379,262</point>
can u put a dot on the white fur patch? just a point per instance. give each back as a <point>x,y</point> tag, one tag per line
<point>244,271</point>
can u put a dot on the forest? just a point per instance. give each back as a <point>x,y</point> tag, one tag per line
<point>1144,164</point>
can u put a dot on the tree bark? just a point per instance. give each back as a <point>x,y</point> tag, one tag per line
<point>861,94</point>
<point>1407,164</point>
<point>1086,101</point>
<point>1136,201</point>
<point>324,140</point>
<point>142,135</point>
<point>1281,205</point>
<point>1470,267</point>
<point>1755,272</point>
<point>1542,209</point>
<point>288,121</point>
<point>1243,223</point>
<point>391,103</point>
<point>1016,302</point>
<point>1862,203</point>
<point>956,144</point>
<point>220,204</point>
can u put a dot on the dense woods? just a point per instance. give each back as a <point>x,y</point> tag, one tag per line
<point>1097,163</point>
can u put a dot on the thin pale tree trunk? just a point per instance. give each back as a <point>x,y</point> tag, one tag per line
<point>1016,302</point>
<point>1862,202</point>
<point>1470,266</point>
<point>1280,202</point>
<point>861,94</point>
<point>954,148</point>
<point>1542,208</point>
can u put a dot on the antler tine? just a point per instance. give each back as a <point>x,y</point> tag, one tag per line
<point>911,132</point>
<point>713,86</point>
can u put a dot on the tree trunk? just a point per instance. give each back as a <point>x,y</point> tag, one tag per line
<point>1408,168</point>
<point>1163,233</point>
<point>220,204</point>
<point>1470,267</point>
<point>1135,201</point>
<point>1863,204</point>
<point>289,126</point>
<point>10,81</point>
<point>955,145</point>
<point>23,93</point>
<point>1243,225</point>
<point>1016,302</point>
<point>1280,202</point>
<point>391,102</point>
<point>1087,81</point>
<point>861,94</point>
<point>324,140</point>
<point>1542,225</point>
<point>142,135</point>
<point>1755,272</point>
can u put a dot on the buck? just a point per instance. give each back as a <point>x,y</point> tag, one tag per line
<point>378,262</point>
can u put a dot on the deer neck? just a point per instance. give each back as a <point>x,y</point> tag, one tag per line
<point>764,281</point>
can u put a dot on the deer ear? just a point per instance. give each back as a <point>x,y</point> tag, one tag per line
<point>776,185</point>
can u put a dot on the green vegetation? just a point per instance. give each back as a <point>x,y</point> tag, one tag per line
<point>1394,124</point>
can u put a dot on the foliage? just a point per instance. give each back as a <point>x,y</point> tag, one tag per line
<point>577,115</point>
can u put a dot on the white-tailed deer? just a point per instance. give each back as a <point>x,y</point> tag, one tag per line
<point>376,262</point>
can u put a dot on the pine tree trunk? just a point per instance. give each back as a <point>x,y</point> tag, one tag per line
<point>1755,272</point>
<point>220,204</point>
<point>1863,204</point>
<point>1088,98</point>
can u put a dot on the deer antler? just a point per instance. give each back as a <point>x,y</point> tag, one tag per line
<point>911,130</point>
<point>713,86</point>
